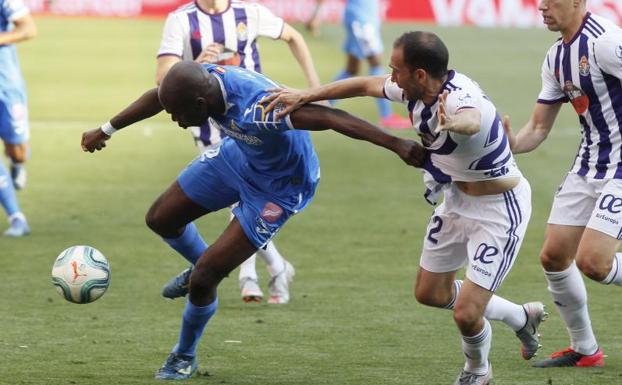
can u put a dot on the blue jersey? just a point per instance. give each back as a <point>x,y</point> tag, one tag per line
<point>10,74</point>
<point>365,11</point>
<point>277,155</point>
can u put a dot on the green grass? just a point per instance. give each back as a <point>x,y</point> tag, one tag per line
<point>352,319</point>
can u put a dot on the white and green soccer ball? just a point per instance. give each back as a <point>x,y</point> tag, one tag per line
<point>81,274</point>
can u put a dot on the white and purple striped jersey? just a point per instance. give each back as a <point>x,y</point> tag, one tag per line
<point>189,29</point>
<point>587,72</point>
<point>485,155</point>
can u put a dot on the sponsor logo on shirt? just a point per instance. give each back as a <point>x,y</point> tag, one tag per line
<point>578,99</point>
<point>584,66</point>
<point>236,132</point>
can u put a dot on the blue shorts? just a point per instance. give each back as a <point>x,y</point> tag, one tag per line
<point>14,127</point>
<point>217,179</point>
<point>362,39</point>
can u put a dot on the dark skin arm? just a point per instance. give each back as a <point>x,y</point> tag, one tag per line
<point>144,107</point>
<point>314,117</point>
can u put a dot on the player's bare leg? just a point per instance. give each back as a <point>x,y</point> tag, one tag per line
<point>476,334</point>
<point>442,290</point>
<point>566,285</point>
<point>18,154</point>
<point>171,216</point>
<point>224,255</point>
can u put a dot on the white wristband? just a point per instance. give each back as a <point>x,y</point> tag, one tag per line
<point>108,129</point>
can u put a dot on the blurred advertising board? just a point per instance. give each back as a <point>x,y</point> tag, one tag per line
<point>484,13</point>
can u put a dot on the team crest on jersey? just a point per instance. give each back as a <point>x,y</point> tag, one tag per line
<point>220,70</point>
<point>619,51</point>
<point>242,31</point>
<point>584,66</point>
<point>271,212</point>
<point>577,98</point>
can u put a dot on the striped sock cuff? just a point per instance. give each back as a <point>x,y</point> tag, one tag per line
<point>481,336</point>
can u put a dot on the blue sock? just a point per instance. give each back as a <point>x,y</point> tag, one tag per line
<point>193,323</point>
<point>190,244</point>
<point>8,200</point>
<point>384,105</point>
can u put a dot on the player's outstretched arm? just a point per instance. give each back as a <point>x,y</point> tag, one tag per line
<point>301,52</point>
<point>535,131</point>
<point>292,99</point>
<point>315,117</point>
<point>25,29</point>
<point>144,107</point>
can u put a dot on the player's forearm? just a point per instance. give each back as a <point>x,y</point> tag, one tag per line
<point>144,107</point>
<point>529,138</point>
<point>314,117</point>
<point>303,56</point>
<point>343,89</point>
<point>467,122</point>
<point>25,29</point>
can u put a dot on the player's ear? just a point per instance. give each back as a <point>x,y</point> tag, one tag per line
<point>420,74</point>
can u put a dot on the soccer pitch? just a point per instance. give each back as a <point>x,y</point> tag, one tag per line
<point>352,318</point>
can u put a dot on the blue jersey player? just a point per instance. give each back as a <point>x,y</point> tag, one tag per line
<point>268,165</point>
<point>361,20</point>
<point>16,25</point>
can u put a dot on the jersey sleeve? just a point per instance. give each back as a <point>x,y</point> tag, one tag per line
<point>268,24</point>
<point>462,99</point>
<point>172,37</point>
<point>14,9</point>
<point>393,92</point>
<point>551,92</point>
<point>608,53</point>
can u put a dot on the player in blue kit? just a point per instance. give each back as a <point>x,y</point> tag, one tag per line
<point>266,164</point>
<point>361,20</point>
<point>16,25</point>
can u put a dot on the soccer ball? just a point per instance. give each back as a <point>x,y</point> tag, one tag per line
<point>81,274</point>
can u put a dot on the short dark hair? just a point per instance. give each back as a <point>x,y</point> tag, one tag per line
<point>424,50</point>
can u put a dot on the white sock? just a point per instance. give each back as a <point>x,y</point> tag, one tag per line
<point>498,309</point>
<point>570,297</point>
<point>476,350</point>
<point>273,259</point>
<point>247,268</point>
<point>615,275</point>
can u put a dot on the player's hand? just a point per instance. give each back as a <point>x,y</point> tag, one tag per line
<point>411,152</point>
<point>210,53</point>
<point>93,140</point>
<point>288,100</point>
<point>508,132</point>
<point>444,120</point>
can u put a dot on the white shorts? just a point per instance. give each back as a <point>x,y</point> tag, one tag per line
<point>587,202</point>
<point>484,232</point>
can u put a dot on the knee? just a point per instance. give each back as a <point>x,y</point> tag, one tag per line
<point>593,268</point>
<point>434,298</point>
<point>467,317</point>
<point>375,61</point>
<point>157,223</point>
<point>553,260</point>
<point>205,279</point>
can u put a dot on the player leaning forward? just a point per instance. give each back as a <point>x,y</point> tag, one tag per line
<point>268,165</point>
<point>487,202</point>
